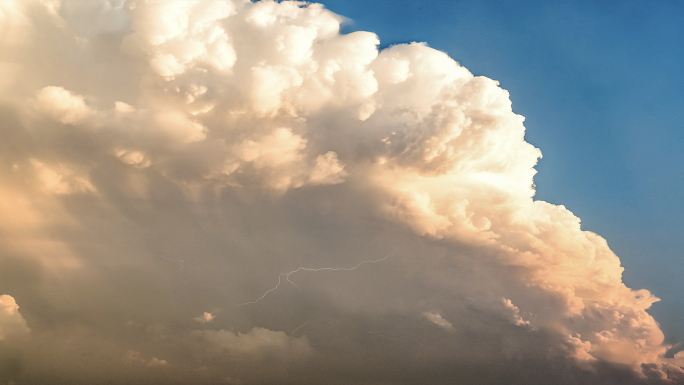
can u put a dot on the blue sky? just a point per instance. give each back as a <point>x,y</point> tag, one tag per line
<point>601,87</point>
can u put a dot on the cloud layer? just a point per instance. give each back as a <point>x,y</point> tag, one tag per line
<point>240,160</point>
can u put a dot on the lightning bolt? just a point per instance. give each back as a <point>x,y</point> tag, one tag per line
<point>299,327</point>
<point>180,268</point>
<point>287,276</point>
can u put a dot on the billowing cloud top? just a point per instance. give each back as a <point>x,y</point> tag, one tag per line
<point>336,213</point>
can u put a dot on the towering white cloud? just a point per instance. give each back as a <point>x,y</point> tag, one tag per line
<point>180,155</point>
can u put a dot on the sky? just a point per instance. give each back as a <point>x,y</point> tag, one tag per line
<point>235,192</point>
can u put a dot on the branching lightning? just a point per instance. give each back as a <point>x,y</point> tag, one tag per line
<point>287,276</point>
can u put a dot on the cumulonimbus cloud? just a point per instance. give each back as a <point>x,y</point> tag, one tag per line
<point>183,139</point>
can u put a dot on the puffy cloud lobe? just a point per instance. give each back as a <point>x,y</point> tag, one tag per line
<point>133,357</point>
<point>238,105</point>
<point>437,319</point>
<point>515,313</point>
<point>60,179</point>
<point>181,36</point>
<point>60,104</point>
<point>12,324</point>
<point>205,317</point>
<point>259,345</point>
<point>327,170</point>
